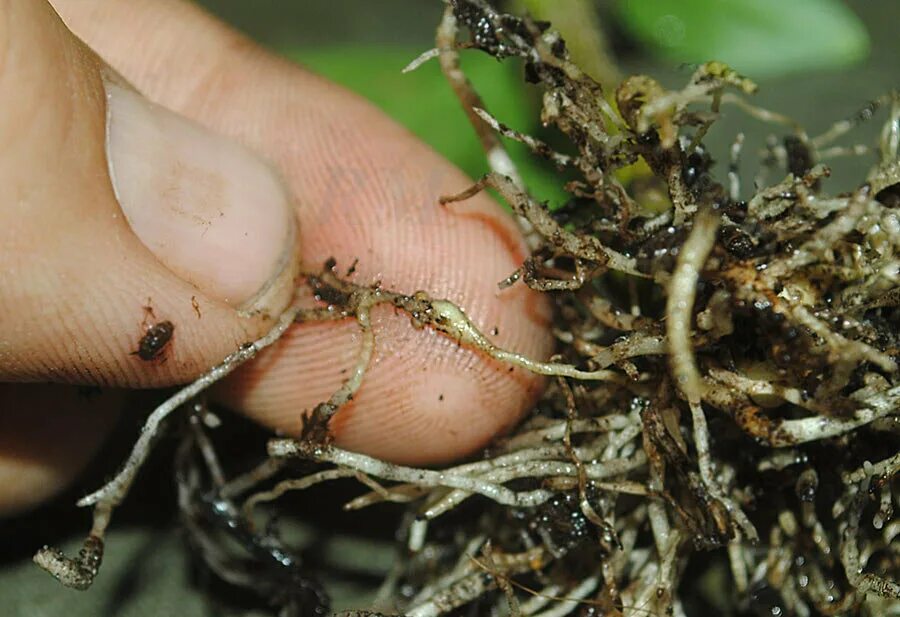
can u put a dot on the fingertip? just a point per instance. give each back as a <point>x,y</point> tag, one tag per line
<point>424,399</point>
<point>439,413</point>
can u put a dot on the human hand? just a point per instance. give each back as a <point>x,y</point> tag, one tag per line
<point>110,204</point>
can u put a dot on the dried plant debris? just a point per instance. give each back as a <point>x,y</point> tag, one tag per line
<point>725,401</point>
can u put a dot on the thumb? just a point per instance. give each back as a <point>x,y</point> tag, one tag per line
<point>117,215</point>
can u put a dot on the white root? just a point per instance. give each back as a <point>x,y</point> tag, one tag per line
<point>758,387</point>
<point>864,582</point>
<point>680,304</point>
<point>887,467</point>
<point>424,57</point>
<point>398,473</point>
<point>819,427</point>
<point>497,157</point>
<point>112,493</point>
<point>543,469</point>
<point>79,573</point>
<point>535,145</point>
<point>297,484</point>
<point>572,599</point>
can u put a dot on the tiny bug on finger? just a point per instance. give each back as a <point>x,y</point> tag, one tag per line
<point>154,341</point>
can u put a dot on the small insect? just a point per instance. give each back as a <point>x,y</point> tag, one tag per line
<point>154,341</point>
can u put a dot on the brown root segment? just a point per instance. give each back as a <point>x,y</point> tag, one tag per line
<point>75,573</point>
<point>725,403</point>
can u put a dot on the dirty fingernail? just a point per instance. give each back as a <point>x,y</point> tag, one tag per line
<point>213,212</point>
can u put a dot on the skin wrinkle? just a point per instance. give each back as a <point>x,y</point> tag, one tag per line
<point>478,382</point>
<point>422,429</point>
<point>5,44</point>
<point>119,331</point>
<point>95,333</point>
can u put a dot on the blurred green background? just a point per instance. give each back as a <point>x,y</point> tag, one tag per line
<point>815,60</point>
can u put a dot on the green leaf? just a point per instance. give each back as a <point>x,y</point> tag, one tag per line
<point>423,102</point>
<point>760,38</point>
